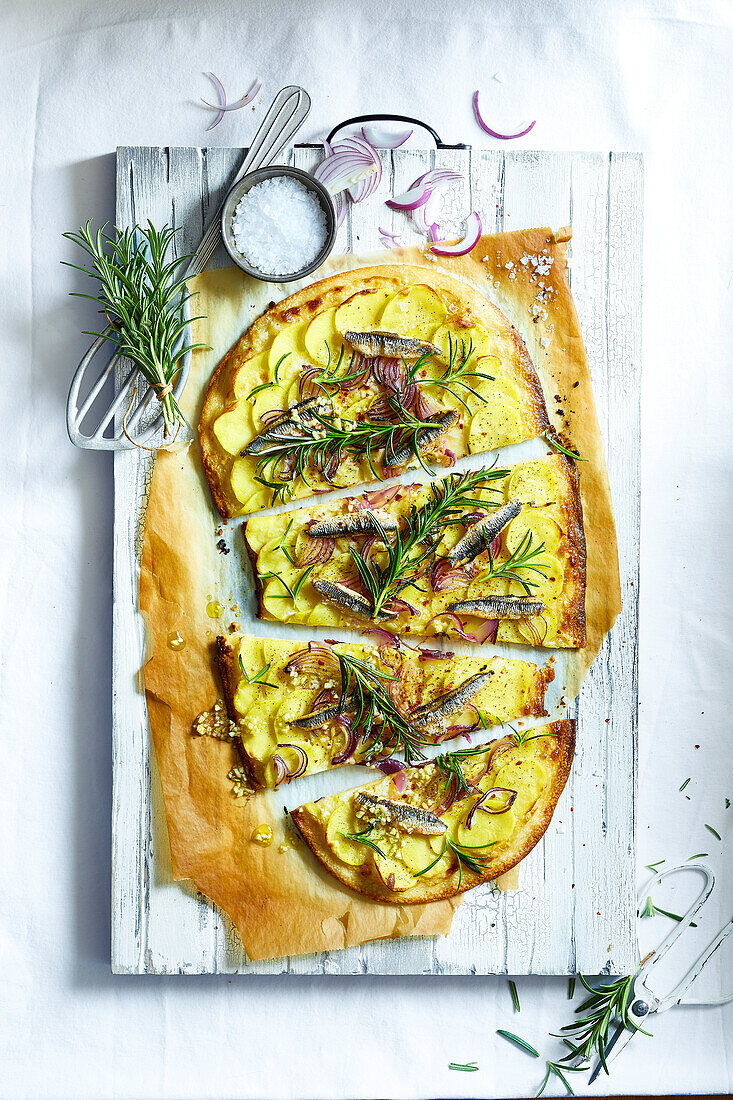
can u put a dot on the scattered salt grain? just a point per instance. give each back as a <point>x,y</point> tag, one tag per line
<point>279,226</point>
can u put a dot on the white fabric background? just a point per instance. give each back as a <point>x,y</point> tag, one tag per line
<point>79,78</point>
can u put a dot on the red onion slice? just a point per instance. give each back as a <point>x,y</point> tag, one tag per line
<point>494,792</point>
<point>379,497</point>
<point>400,781</point>
<point>495,133</point>
<point>222,99</point>
<point>459,627</point>
<point>383,637</point>
<point>302,760</point>
<point>237,106</point>
<point>348,750</point>
<point>487,631</point>
<point>389,767</point>
<point>317,658</point>
<point>384,139</point>
<point>317,552</point>
<point>445,577</point>
<point>468,242</point>
<point>434,655</point>
<point>281,770</point>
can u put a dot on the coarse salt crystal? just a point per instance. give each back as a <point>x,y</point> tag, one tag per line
<point>279,226</point>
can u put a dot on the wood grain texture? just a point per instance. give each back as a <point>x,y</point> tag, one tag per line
<point>588,854</point>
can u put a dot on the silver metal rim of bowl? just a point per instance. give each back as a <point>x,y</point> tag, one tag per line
<point>249,181</point>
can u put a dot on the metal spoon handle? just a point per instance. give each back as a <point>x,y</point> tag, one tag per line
<point>287,113</point>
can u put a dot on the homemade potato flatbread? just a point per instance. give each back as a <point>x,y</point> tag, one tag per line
<point>434,830</point>
<point>295,407</point>
<point>508,561</point>
<point>301,709</point>
<point>285,903</point>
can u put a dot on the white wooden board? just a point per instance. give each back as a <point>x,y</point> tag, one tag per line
<point>575,909</point>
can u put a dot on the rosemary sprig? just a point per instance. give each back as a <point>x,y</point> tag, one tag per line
<point>463,853</point>
<point>143,300</point>
<point>460,356</point>
<point>413,548</point>
<point>375,715</point>
<point>450,764</point>
<point>257,677</point>
<point>360,838</point>
<point>323,442</point>
<point>521,737</point>
<point>290,593</point>
<point>589,1032</point>
<point>525,558</point>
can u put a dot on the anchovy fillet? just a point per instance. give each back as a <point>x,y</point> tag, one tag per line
<point>480,536</point>
<point>363,522</point>
<point>408,819</point>
<point>449,703</point>
<point>422,439</point>
<point>344,597</point>
<point>378,342</point>
<point>318,718</point>
<point>499,607</point>
<point>287,430</point>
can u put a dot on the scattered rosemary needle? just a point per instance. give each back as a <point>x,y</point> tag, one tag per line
<point>521,1043</point>
<point>143,299</point>
<point>698,855</point>
<point>571,988</point>
<point>653,866</point>
<point>558,447</point>
<point>650,909</point>
<point>515,996</point>
<point>714,832</point>
<point>685,783</point>
<point>467,1067</point>
<point>256,677</point>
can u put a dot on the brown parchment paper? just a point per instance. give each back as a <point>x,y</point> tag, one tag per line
<point>283,902</point>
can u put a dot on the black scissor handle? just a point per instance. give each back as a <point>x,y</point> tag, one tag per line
<point>393,118</point>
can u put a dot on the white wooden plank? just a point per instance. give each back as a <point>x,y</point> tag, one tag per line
<point>163,927</point>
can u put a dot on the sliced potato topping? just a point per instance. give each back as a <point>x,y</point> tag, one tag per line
<point>495,406</point>
<point>267,700</point>
<point>549,524</point>
<point>481,827</point>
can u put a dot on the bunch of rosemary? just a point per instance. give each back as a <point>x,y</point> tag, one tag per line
<point>143,300</point>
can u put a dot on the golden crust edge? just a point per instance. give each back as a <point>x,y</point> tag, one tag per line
<point>416,895</point>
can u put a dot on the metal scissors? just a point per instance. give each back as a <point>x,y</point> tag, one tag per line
<point>643,1001</point>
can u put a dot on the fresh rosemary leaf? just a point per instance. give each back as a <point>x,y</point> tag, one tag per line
<point>467,1067</point>
<point>571,988</point>
<point>607,1003</point>
<point>653,866</point>
<point>685,783</point>
<point>259,389</point>
<point>525,558</point>
<point>700,855</point>
<point>521,1043</point>
<point>515,995</point>
<point>558,447</point>
<point>714,832</point>
<point>257,677</point>
<point>361,838</point>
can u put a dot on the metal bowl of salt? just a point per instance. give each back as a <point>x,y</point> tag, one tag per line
<point>278,223</point>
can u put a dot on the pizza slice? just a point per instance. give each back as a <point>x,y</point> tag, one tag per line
<point>433,830</point>
<point>495,554</point>
<point>303,709</point>
<point>361,376</point>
